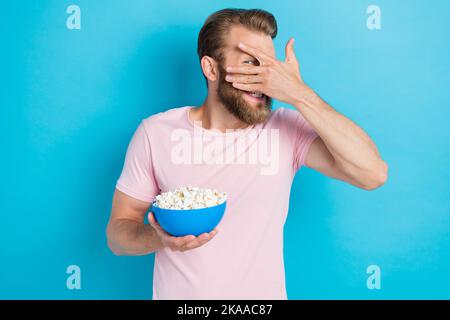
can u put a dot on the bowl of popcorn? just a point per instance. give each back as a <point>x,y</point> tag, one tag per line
<point>189,210</point>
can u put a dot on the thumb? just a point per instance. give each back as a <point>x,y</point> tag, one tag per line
<point>151,218</point>
<point>290,54</point>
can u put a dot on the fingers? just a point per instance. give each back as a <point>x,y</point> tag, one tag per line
<point>262,57</point>
<point>197,242</point>
<point>191,242</point>
<point>247,86</point>
<point>175,243</point>
<point>290,54</point>
<point>244,79</point>
<point>246,69</point>
<point>161,232</point>
<point>180,243</point>
<point>151,218</point>
<point>214,232</point>
<point>152,221</point>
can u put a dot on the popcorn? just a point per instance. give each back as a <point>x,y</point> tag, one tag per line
<point>190,198</point>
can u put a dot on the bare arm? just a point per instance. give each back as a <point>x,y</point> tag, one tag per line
<point>126,232</point>
<point>343,150</point>
<point>128,235</point>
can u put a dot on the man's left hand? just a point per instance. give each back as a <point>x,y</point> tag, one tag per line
<point>277,79</point>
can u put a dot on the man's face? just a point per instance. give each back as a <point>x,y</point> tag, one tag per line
<point>240,103</point>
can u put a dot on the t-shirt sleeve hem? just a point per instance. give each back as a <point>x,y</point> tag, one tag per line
<point>131,193</point>
<point>309,139</point>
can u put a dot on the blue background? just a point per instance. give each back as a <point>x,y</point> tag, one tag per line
<point>71,99</point>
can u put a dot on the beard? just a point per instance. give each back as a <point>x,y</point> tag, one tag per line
<point>233,99</point>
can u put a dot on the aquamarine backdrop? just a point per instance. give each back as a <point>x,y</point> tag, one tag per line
<point>71,99</point>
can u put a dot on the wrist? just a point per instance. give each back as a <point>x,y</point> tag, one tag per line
<point>152,238</point>
<point>304,96</point>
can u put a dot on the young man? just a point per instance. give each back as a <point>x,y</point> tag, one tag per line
<point>235,143</point>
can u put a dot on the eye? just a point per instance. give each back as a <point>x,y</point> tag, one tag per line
<point>249,61</point>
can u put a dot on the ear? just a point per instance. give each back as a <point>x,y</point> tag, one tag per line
<point>209,67</point>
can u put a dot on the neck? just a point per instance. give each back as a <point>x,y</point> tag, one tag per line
<point>214,115</point>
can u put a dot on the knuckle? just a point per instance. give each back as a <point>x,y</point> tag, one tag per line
<point>178,244</point>
<point>195,245</point>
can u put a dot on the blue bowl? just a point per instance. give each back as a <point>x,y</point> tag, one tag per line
<point>183,222</point>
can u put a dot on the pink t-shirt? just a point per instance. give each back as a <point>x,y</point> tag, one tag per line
<point>255,166</point>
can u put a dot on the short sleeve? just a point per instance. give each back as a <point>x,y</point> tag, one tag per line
<point>137,178</point>
<point>304,137</point>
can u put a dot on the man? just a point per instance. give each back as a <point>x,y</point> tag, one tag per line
<point>245,259</point>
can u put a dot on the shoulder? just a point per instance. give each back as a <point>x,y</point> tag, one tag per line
<point>166,119</point>
<point>284,118</point>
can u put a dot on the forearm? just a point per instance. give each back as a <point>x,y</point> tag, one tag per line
<point>353,150</point>
<point>128,237</point>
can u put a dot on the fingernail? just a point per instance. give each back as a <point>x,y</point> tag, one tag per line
<point>229,68</point>
<point>241,45</point>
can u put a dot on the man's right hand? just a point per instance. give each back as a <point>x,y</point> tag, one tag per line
<point>188,242</point>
